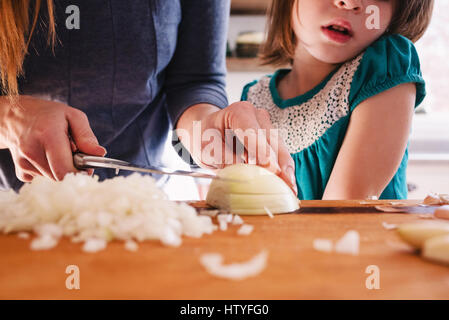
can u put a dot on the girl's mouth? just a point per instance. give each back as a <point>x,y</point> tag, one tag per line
<point>338,32</point>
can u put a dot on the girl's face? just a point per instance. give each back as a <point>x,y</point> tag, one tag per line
<point>334,31</point>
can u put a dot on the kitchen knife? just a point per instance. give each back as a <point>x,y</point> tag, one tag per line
<point>83,161</point>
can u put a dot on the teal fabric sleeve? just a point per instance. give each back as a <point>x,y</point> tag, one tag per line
<point>313,165</point>
<point>246,88</point>
<point>390,61</point>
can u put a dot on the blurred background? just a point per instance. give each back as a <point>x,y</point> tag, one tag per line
<point>428,169</point>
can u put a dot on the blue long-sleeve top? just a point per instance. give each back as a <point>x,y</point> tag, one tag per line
<point>133,67</point>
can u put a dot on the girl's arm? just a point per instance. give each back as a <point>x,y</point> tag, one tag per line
<point>374,145</point>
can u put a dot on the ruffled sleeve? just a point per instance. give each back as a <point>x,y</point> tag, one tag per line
<point>390,61</point>
<point>244,96</point>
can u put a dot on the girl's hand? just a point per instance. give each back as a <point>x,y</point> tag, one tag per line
<point>41,136</point>
<point>239,127</point>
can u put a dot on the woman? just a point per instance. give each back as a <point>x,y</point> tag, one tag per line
<point>131,71</point>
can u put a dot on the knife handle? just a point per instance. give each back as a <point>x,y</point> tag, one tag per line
<point>79,161</point>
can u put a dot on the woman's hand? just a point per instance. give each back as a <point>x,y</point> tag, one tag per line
<point>239,133</point>
<point>41,136</point>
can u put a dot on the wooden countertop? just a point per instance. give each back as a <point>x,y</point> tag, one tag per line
<point>294,269</point>
<point>249,6</point>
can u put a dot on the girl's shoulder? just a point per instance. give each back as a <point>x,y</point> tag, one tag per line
<point>263,82</point>
<point>390,61</point>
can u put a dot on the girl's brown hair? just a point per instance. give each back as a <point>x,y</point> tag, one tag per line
<point>411,19</point>
<point>16,29</point>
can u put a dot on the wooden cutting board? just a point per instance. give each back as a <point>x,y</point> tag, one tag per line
<point>351,206</point>
<point>294,269</point>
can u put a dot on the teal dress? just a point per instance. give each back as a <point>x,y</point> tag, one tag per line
<point>313,125</point>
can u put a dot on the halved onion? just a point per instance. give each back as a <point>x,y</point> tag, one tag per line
<point>416,234</point>
<point>251,190</point>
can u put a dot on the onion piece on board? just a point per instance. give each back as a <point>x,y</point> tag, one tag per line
<point>131,245</point>
<point>324,245</point>
<point>94,245</point>
<point>237,220</point>
<point>349,243</point>
<point>213,262</point>
<point>389,226</point>
<point>44,242</point>
<point>245,230</point>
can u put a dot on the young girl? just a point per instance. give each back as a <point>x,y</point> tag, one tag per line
<point>345,107</point>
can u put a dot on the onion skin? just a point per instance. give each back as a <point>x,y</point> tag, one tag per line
<point>250,190</point>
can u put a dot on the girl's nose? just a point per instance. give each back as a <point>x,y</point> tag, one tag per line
<point>353,5</point>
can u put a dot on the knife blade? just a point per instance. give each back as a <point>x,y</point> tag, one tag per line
<point>83,161</point>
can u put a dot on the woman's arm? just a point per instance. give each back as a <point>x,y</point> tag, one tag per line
<point>197,72</point>
<point>374,145</point>
<point>195,90</point>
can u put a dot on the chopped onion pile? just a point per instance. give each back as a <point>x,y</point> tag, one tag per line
<point>213,262</point>
<point>94,212</point>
